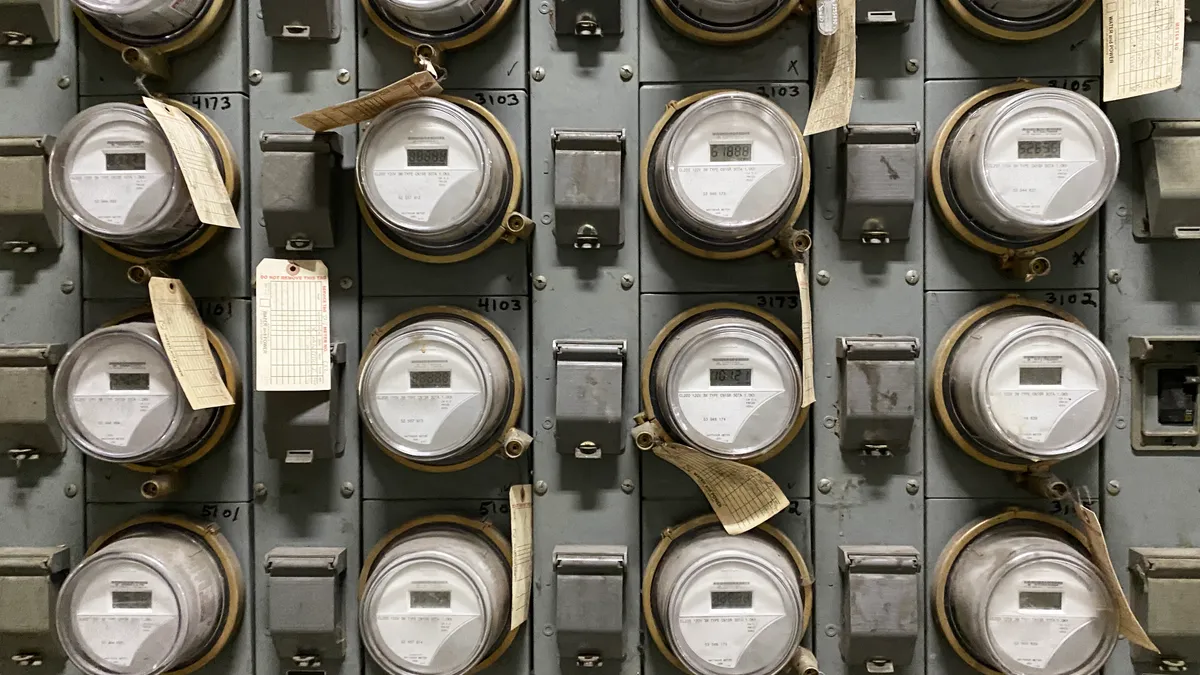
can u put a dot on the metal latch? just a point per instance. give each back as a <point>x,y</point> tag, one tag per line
<point>589,397</point>
<point>881,605</point>
<point>28,426</point>
<point>29,218</point>
<point>304,603</point>
<point>880,174</point>
<point>878,392</point>
<point>587,18</point>
<point>28,23</point>
<point>885,12</point>
<point>302,19</point>
<point>302,426</point>
<point>1169,156</point>
<point>588,171</point>
<point>590,603</point>
<point>298,197</point>
<point>29,583</point>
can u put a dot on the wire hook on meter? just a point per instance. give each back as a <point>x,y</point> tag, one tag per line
<point>145,32</point>
<point>445,24</point>
<point>1016,20</point>
<point>725,21</point>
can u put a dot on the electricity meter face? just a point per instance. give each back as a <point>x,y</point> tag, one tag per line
<point>436,391</point>
<point>729,605</point>
<point>1030,165</point>
<point>726,14</point>
<point>149,602</point>
<point>1026,602</point>
<point>1033,386</point>
<point>143,18</point>
<point>117,399</point>
<point>437,16</point>
<point>727,384</point>
<point>728,168</point>
<point>113,175</point>
<point>436,603</point>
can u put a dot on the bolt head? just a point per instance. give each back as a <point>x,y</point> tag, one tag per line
<point>343,76</point>
<point>70,490</point>
<point>539,282</point>
<point>64,82</point>
<point>822,277</point>
<point>346,283</point>
<point>626,73</point>
<point>539,74</point>
<point>540,487</point>
<point>627,486</point>
<point>544,8</point>
<point>829,422</point>
<point>831,630</point>
<point>547,630</point>
<point>1114,276</point>
<point>260,490</point>
<point>256,76</point>
<point>67,287</point>
<point>912,65</point>
<point>1113,488</point>
<point>627,281</point>
<point>347,489</point>
<point>912,277</point>
<point>824,486</point>
<point>912,487</point>
<point>1120,423</point>
<point>1122,211</point>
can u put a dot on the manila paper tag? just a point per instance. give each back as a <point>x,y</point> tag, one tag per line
<point>291,326</point>
<point>808,395</point>
<point>520,515</point>
<point>1143,46</point>
<point>195,158</point>
<point>1130,628</point>
<point>363,108</point>
<point>742,496</point>
<point>837,60</point>
<point>185,340</point>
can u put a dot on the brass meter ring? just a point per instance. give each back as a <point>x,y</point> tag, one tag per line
<point>958,543</point>
<point>499,229</point>
<point>467,35</point>
<point>1057,21</point>
<point>510,355</point>
<point>690,244</point>
<point>946,204</point>
<point>210,19</point>
<point>231,571</point>
<point>222,423</point>
<point>226,163</point>
<point>650,401</point>
<point>686,25</point>
<point>939,384</point>
<point>485,528</point>
<point>673,534</point>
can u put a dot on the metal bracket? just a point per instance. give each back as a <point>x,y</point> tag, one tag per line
<point>1165,598</point>
<point>302,19</point>
<point>590,603</point>
<point>877,398</point>
<point>880,175</point>
<point>589,396</point>
<point>28,426</point>
<point>304,603</point>
<point>1165,399</point>
<point>298,197</point>
<point>29,583</point>
<point>881,605</point>
<point>302,426</point>
<point>1167,151</point>
<point>29,218</point>
<point>29,23</point>
<point>587,18</point>
<point>588,170</point>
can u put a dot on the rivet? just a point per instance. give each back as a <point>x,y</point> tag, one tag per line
<point>260,490</point>
<point>547,630</point>
<point>64,82</point>
<point>346,283</point>
<point>1113,488</point>
<point>627,281</point>
<point>828,213</point>
<point>824,486</point>
<point>1114,276</point>
<point>829,422</point>
<point>347,489</point>
<point>343,76</point>
<point>626,73</point>
<point>547,424</point>
<point>1120,423</point>
<point>544,8</point>
<point>540,487</point>
<point>912,277</point>
<point>1122,211</point>
<point>912,487</point>
<point>255,76</point>
<point>539,74</point>
<point>627,486</point>
<point>831,630</point>
<point>822,277</point>
<point>539,282</point>
<point>547,219</point>
<point>912,65</point>
<point>67,287</point>
<point>70,490</point>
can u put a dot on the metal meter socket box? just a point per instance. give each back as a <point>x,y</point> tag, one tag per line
<point>589,396</point>
<point>1166,600</point>
<point>587,187</point>
<point>1164,402</point>
<point>878,395</point>
<point>880,171</point>
<point>29,583</point>
<point>885,12</point>
<point>590,603</point>
<point>302,19</point>
<point>881,605</point>
<point>1169,153</point>
<point>587,18</point>
<point>28,426</point>
<point>25,23</point>
<point>302,426</point>
<point>297,188</point>
<point>29,218</point>
<point>304,603</point>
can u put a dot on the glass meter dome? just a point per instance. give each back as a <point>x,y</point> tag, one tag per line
<point>727,15</point>
<point>437,16</point>
<point>143,18</point>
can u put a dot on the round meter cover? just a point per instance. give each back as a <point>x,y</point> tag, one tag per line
<point>728,384</point>
<point>1030,165</point>
<point>728,169</point>
<point>437,16</point>
<point>143,18</point>
<point>433,173</point>
<point>1021,15</point>
<point>726,14</point>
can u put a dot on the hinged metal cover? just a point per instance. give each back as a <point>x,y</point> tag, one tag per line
<point>587,18</point>
<point>878,392</point>
<point>885,12</point>
<point>298,200</point>
<point>29,583</point>
<point>589,397</point>
<point>880,174</point>
<point>1166,600</point>
<point>881,605</point>
<point>28,23</point>
<point>590,602</point>
<point>28,426</point>
<point>588,168</point>
<point>304,602</point>
<point>1169,152</point>
<point>1165,404</point>
<point>301,19</point>
<point>29,219</point>
<point>303,426</point>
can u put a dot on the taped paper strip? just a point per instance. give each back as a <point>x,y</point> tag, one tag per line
<point>197,163</point>
<point>808,395</point>
<point>1130,628</point>
<point>742,496</point>
<point>186,342</point>
<point>421,83</point>
<point>520,513</point>
<point>291,326</point>
<point>1143,47</point>
<point>837,59</point>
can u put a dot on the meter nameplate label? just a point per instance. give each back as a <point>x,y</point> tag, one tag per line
<point>185,340</point>
<point>418,637</point>
<point>197,163</point>
<point>721,640</point>
<point>742,496</point>
<point>719,188</point>
<point>117,639</point>
<point>808,395</point>
<point>291,321</point>
<point>520,513</point>
<point>1143,46</point>
<point>416,192</point>
<point>421,83</point>
<point>126,616</point>
<point>720,415</point>
<point>837,62</point>
<point>1034,640</point>
<point>111,196</point>
<point>1033,415</point>
<point>1030,163</point>
<point>418,417</point>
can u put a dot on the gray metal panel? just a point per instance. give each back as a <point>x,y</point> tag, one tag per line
<point>950,472</point>
<point>224,474</point>
<point>667,269</point>
<point>218,65</point>
<point>790,469</point>
<point>954,52</point>
<point>951,264</point>
<point>668,56</point>
<point>221,267</point>
<point>385,478</point>
<point>501,270</point>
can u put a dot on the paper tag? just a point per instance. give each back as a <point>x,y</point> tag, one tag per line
<point>520,514</point>
<point>291,326</point>
<point>742,496</point>
<point>186,342</point>
<point>1143,47</point>
<point>363,108</point>
<point>808,396</point>
<point>1130,628</point>
<point>836,63</point>
<point>195,158</point>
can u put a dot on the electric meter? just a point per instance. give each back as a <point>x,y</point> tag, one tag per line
<point>117,398</point>
<point>729,605</point>
<point>439,389</point>
<point>1028,166</point>
<point>437,602</point>
<point>725,174</point>
<point>143,18</point>
<point>433,17</point>
<point>724,20</point>
<point>1025,599</point>
<point>151,600</point>
<point>113,175</point>
<point>1032,386</point>
<point>1017,20</point>
<point>435,176</point>
<point>727,380</point>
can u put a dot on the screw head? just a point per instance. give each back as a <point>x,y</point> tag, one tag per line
<point>547,424</point>
<point>256,76</point>
<point>539,74</point>
<point>539,282</point>
<point>343,76</point>
<point>64,82</point>
<point>831,630</point>
<point>67,287</point>
<point>828,213</point>
<point>824,486</point>
<point>540,487</point>
<point>1114,276</point>
<point>1120,423</point>
<point>1122,211</point>
<point>828,422</point>
<point>627,486</point>
<point>627,281</point>
<point>70,490</point>
<point>346,283</point>
<point>912,487</point>
<point>260,490</point>
<point>547,219</point>
<point>544,8</point>
<point>912,65</point>
<point>822,277</point>
<point>626,73</point>
<point>547,630</point>
<point>912,277</point>
<point>1113,488</point>
<point>347,489</point>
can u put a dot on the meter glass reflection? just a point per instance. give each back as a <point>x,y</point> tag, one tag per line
<point>437,16</point>
<point>726,14</point>
<point>142,18</point>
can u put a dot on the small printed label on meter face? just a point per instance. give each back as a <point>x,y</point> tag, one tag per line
<point>127,617</point>
<point>1033,393</point>
<point>119,392</point>
<point>419,164</point>
<point>418,394</point>
<point>419,614</point>
<point>1030,620</point>
<point>718,395</point>
<point>724,611</point>
<point>415,193</point>
<point>115,181</point>
<point>1031,161</point>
